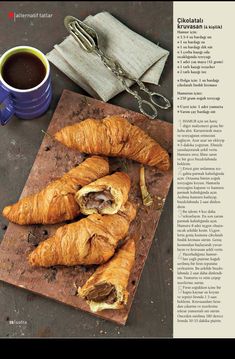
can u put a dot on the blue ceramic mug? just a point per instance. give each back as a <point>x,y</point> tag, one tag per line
<point>29,103</point>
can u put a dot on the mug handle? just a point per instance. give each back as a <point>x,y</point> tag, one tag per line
<point>6,106</point>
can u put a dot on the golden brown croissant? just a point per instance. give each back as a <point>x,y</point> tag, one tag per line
<point>104,196</point>
<point>107,287</point>
<point>114,136</point>
<point>92,240</point>
<point>56,202</point>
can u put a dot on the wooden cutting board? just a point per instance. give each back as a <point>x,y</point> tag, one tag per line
<point>52,161</point>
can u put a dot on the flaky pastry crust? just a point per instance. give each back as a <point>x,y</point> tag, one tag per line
<point>114,136</point>
<point>92,240</point>
<point>117,184</point>
<point>115,273</point>
<point>56,202</point>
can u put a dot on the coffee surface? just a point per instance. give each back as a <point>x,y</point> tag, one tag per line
<point>23,71</point>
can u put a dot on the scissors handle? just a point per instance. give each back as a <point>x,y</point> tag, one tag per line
<point>146,107</point>
<point>154,97</point>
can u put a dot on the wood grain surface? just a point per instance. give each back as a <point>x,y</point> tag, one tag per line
<point>52,161</point>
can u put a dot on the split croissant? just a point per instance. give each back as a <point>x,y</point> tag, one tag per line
<point>114,136</point>
<point>56,202</point>
<point>106,195</point>
<point>92,240</point>
<point>107,287</point>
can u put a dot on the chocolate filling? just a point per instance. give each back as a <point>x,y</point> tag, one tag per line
<point>98,200</point>
<point>103,293</point>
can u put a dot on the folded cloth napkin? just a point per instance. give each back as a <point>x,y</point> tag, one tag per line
<point>138,56</point>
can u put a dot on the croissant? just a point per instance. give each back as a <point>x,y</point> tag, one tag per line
<point>106,195</point>
<point>114,136</point>
<point>92,240</point>
<point>107,287</point>
<point>56,202</point>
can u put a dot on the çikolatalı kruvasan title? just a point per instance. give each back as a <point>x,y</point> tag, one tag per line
<point>194,23</point>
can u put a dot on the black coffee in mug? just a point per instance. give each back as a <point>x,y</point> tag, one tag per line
<point>23,70</point>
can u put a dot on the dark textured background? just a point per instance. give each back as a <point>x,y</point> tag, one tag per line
<point>151,313</point>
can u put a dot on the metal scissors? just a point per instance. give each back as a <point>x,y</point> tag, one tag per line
<point>88,40</point>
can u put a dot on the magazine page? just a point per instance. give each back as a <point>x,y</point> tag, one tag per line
<point>203,179</point>
<point>116,169</point>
